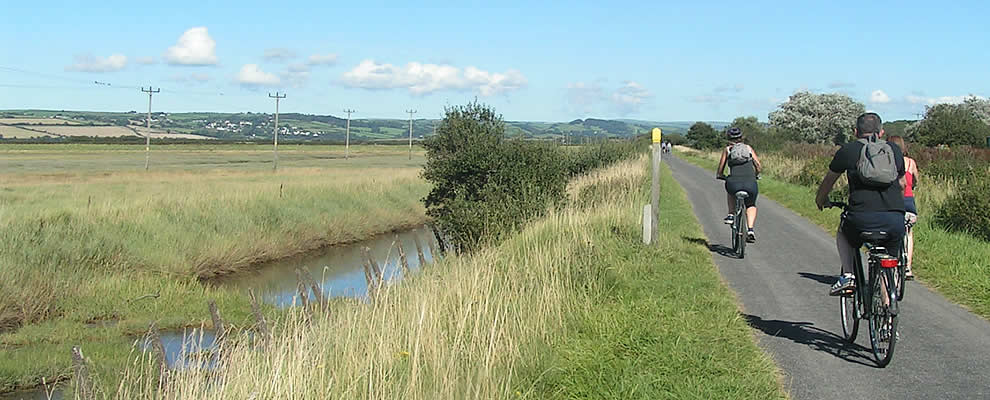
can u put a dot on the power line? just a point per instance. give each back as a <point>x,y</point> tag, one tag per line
<point>411,112</point>
<point>275,151</point>
<point>347,140</point>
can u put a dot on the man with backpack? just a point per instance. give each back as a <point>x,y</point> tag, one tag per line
<point>876,201</point>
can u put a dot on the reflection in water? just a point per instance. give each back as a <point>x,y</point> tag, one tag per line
<point>339,270</point>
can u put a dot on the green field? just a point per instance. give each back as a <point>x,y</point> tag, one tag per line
<point>85,230</point>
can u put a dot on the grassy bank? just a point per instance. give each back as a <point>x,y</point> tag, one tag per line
<point>84,242</point>
<point>955,264</point>
<point>572,306</point>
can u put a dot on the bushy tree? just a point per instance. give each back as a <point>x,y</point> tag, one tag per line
<point>703,136</point>
<point>979,107</point>
<point>818,118</point>
<point>953,125</point>
<point>484,185</point>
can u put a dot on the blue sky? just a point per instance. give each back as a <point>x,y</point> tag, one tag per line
<point>544,61</point>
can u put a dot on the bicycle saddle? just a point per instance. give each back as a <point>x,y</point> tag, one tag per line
<point>742,193</point>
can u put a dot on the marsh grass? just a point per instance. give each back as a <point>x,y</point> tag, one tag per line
<point>81,249</point>
<point>571,306</point>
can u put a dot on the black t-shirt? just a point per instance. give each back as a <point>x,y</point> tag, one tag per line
<point>861,196</point>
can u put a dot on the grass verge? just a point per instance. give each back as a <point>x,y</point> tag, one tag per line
<point>955,264</point>
<point>572,306</point>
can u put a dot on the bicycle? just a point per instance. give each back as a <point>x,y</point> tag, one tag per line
<point>739,226</point>
<point>878,293</point>
<point>902,261</point>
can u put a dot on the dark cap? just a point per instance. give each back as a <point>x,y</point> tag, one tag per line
<point>868,123</point>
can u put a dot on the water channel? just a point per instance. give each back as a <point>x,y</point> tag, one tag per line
<point>338,270</point>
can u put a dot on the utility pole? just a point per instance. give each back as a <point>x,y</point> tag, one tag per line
<point>147,135</point>
<point>347,139</point>
<point>411,112</point>
<point>277,97</point>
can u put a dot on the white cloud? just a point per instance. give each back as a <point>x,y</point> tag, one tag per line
<point>252,75</point>
<point>583,96</point>
<point>879,97</point>
<point>145,60</point>
<point>322,59</point>
<point>630,97</point>
<point>421,78</point>
<point>89,63</point>
<point>195,47</point>
<point>279,54</point>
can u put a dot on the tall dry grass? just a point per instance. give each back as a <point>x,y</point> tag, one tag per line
<point>459,329</point>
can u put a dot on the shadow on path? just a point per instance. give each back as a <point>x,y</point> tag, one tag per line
<point>714,248</point>
<point>824,279</point>
<point>807,334</point>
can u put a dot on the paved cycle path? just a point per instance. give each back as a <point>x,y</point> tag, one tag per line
<point>943,351</point>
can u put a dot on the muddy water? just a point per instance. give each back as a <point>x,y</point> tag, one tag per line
<point>337,270</point>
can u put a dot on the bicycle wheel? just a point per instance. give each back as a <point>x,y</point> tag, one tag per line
<point>849,306</point>
<point>900,280</point>
<point>732,232</point>
<point>883,320</point>
<point>741,232</point>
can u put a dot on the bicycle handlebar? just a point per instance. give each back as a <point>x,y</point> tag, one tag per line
<point>837,204</point>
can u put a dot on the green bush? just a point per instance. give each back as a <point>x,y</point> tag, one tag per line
<point>967,211</point>
<point>486,186</point>
<point>812,172</point>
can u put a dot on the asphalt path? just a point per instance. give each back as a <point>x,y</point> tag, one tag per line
<point>783,282</point>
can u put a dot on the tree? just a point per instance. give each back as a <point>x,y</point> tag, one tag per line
<point>818,118</point>
<point>703,136</point>
<point>979,107</point>
<point>953,125</point>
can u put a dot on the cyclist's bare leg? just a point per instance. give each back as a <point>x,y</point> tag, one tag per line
<point>751,216</point>
<point>847,253</point>
<point>732,203</point>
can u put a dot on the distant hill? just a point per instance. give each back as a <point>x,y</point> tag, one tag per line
<point>240,126</point>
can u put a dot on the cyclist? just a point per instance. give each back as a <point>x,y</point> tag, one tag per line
<point>909,181</point>
<point>744,167</point>
<point>870,208</point>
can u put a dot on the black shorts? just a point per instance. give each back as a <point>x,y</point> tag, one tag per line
<point>747,185</point>
<point>910,206</point>
<point>891,222</point>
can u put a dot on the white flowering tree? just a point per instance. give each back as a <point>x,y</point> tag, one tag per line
<point>817,118</point>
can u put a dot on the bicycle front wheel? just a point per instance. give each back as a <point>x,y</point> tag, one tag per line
<point>849,306</point>
<point>883,318</point>
<point>901,278</point>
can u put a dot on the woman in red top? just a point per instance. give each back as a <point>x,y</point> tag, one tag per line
<point>908,182</point>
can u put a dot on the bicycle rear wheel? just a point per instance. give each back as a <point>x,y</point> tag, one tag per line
<point>883,320</point>
<point>741,231</point>
<point>849,306</point>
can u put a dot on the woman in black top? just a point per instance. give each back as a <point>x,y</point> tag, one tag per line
<point>742,177</point>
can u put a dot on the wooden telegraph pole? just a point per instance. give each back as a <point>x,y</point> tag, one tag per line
<point>411,112</point>
<point>277,97</point>
<point>147,136</point>
<point>347,137</point>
